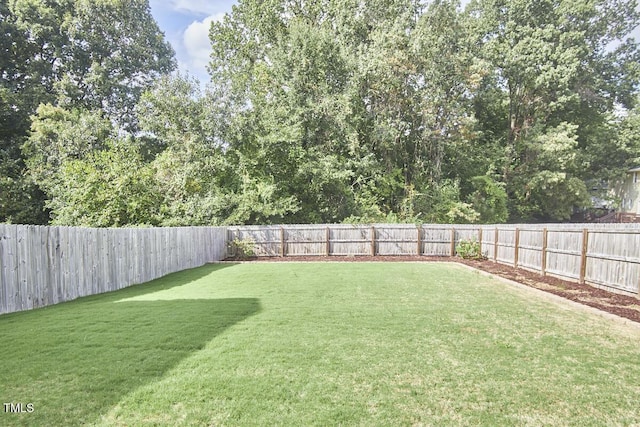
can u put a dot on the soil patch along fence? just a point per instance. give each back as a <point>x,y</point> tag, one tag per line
<point>601,255</point>
<point>40,266</point>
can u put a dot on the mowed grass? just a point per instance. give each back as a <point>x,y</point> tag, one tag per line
<point>319,344</point>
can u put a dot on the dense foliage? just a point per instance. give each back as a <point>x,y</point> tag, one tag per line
<point>317,111</point>
<point>71,74</point>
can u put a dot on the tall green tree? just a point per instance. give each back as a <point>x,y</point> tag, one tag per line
<point>557,68</point>
<point>203,180</point>
<point>110,187</point>
<point>305,139</point>
<point>183,146</point>
<point>292,138</point>
<point>20,199</point>
<point>95,54</point>
<point>345,105</point>
<point>73,54</point>
<point>115,51</point>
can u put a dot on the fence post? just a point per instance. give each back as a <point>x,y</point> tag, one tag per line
<point>373,241</point>
<point>480,240</point>
<point>583,257</point>
<point>495,246</point>
<point>515,249</point>
<point>282,250</point>
<point>453,241</point>
<point>419,245</point>
<point>545,237</point>
<point>328,241</point>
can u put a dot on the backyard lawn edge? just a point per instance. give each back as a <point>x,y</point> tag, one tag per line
<point>557,299</point>
<point>610,305</point>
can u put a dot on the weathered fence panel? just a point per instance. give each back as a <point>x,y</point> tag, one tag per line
<point>352,240</point>
<point>506,245</point>
<point>398,240</point>
<point>436,241</point>
<point>613,258</point>
<point>488,244</point>
<point>564,253</point>
<point>464,232</point>
<point>530,249</point>
<point>41,266</point>
<point>305,241</point>
<point>267,239</point>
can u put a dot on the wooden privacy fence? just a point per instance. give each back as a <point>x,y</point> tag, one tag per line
<point>352,240</point>
<point>41,266</point>
<point>600,255</point>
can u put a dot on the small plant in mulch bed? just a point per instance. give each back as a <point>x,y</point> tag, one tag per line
<point>242,249</point>
<point>469,249</point>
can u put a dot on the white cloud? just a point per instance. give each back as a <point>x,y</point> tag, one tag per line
<point>197,46</point>
<point>195,6</point>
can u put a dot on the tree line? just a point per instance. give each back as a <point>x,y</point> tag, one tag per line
<point>317,111</point>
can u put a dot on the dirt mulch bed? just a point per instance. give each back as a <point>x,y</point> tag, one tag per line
<point>620,305</point>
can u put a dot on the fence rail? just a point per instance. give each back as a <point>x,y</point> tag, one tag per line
<point>599,255</point>
<point>41,266</point>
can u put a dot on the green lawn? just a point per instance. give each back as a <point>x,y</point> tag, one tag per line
<point>319,344</point>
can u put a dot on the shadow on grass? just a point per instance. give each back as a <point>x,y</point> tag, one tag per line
<point>169,281</point>
<point>74,361</point>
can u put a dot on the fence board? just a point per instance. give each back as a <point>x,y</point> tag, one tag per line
<point>39,283</point>
<point>73,252</point>
<point>8,243</point>
<point>530,252</point>
<point>436,241</point>
<point>396,240</point>
<point>613,258</point>
<point>506,246</point>
<point>53,266</point>
<point>41,266</point>
<point>311,241</point>
<point>564,253</point>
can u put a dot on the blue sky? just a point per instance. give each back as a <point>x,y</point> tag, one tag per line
<point>185,24</point>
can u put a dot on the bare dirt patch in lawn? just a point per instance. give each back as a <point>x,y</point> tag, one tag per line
<point>620,305</point>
